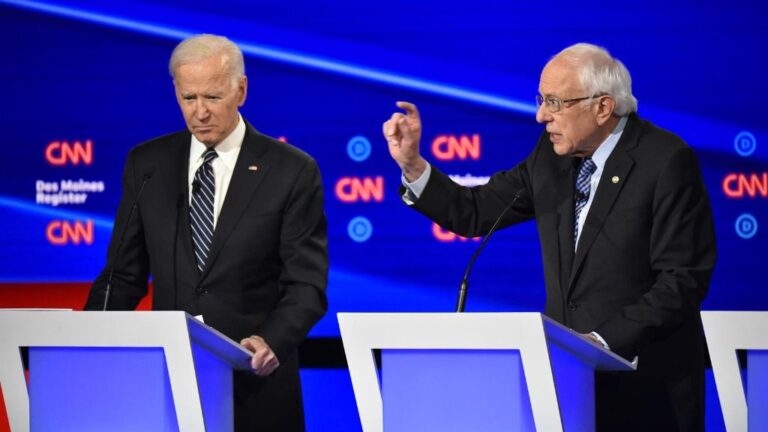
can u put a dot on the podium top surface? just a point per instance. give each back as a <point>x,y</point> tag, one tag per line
<point>116,329</point>
<point>471,331</point>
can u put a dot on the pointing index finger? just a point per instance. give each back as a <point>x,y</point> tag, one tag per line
<point>410,109</point>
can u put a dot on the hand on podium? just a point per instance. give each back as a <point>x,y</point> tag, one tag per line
<point>592,338</point>
<point>264,360</point>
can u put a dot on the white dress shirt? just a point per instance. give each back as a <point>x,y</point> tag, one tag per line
<point>599,158</point>
<point>223,165</point>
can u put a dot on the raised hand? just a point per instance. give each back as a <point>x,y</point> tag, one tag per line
<point>403,132</point>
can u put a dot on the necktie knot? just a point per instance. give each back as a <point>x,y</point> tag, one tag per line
<point>587,166</point>
<point>209,155</point>
<point>586,169</point>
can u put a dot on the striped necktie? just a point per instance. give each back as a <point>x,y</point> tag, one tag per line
<point>586,169</point>
<point>201,210</point>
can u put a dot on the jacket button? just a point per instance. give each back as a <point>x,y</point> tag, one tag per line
<point>202,293</point>
<point>572,306</point>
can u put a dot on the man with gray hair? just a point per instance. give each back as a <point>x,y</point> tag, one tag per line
<point>625,226</point>
<point>230,225</point>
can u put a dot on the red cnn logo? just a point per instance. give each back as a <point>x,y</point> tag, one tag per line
<point>446,236</point>
<point>451,147</point>
<point>738,185</point>
<point>59,153</point>
<point>60,233</point>
<point>354,189</point>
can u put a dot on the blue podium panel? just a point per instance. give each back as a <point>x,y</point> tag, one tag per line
<point>214,381</point>
<point>757,389</point>
<point>454,390</point>
<point>100,389</point>
<point>575,385</point>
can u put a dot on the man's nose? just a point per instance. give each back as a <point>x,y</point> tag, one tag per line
<point>201,110</point>
<point>542,114</point>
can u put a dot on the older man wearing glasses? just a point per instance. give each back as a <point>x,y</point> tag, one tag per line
<point>625,226</point>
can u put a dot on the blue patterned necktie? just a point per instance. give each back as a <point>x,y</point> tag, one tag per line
<point>586,169</point>
<point>201,210</point>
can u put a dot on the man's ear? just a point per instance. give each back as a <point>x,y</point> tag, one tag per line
<point>605,106</point>
<point>243,90</point>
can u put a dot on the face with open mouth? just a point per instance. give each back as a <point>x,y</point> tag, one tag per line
<point>573,127</point>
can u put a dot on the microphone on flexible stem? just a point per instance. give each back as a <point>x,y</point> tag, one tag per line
<point>108,289</point>
<point>465,281</point>
<point>195,185</point>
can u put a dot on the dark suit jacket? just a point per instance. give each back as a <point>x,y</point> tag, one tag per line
<point>640,272</point>
<point>267,268</point>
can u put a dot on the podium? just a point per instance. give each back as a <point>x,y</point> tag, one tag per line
<point>472,371</point>
<point>727,332</point>
<point>148,371</point>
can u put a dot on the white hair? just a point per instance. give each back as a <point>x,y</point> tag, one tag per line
<point>600,73</point>
<point>203,46</point>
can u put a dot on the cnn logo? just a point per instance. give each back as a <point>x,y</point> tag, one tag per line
<point>59,153</point>
<point>61,233</point>
<point>354,189</point>
<point>452,147</point>
<point>740,185</point>
<point>445,236</point>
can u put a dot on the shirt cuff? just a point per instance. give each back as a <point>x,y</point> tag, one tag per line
<point>413,190</point>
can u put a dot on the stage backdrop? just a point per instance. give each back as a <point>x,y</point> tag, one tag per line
<point>84,81</point>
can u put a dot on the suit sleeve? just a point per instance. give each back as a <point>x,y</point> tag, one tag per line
<point>304,255</point>
<point>682,256</point>
<point>471,211</point>
<point>128,256</point>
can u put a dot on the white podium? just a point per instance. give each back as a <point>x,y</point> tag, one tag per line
<point>472,371</point>
<point>727,332</point>
<point>117,371</point>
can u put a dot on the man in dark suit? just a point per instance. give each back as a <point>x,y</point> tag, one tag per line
<point>625,227</point>
<point>231,226</point>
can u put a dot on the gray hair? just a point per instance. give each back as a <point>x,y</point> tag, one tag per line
<point>602,74</point>
<point>203,46</point>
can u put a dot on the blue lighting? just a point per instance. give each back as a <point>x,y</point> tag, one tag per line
<point>33,209</point>
<point>294,58</point>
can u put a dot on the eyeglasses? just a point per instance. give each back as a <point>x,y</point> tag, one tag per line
<point>555,104</point>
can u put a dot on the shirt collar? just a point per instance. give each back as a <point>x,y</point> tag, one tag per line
<point>606,147</point>
<point>227,150</point>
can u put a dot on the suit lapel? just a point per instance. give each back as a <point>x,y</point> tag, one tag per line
<point>250,170</point>
<point>564,228</point>
<point>618,167</point>
<point>181,154</point>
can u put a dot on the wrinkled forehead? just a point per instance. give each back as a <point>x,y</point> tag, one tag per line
<point>204,73</point>
<point>560,77</point>
<point>212,65</point>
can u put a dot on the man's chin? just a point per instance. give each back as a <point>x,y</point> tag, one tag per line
<point>562,150</point>
<point>206,138</point>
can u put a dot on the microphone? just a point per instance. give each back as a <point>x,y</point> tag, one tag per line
<point>108,289</point>
<point>465,281</point>
<point>580,196</point>
<point>195,185</point>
